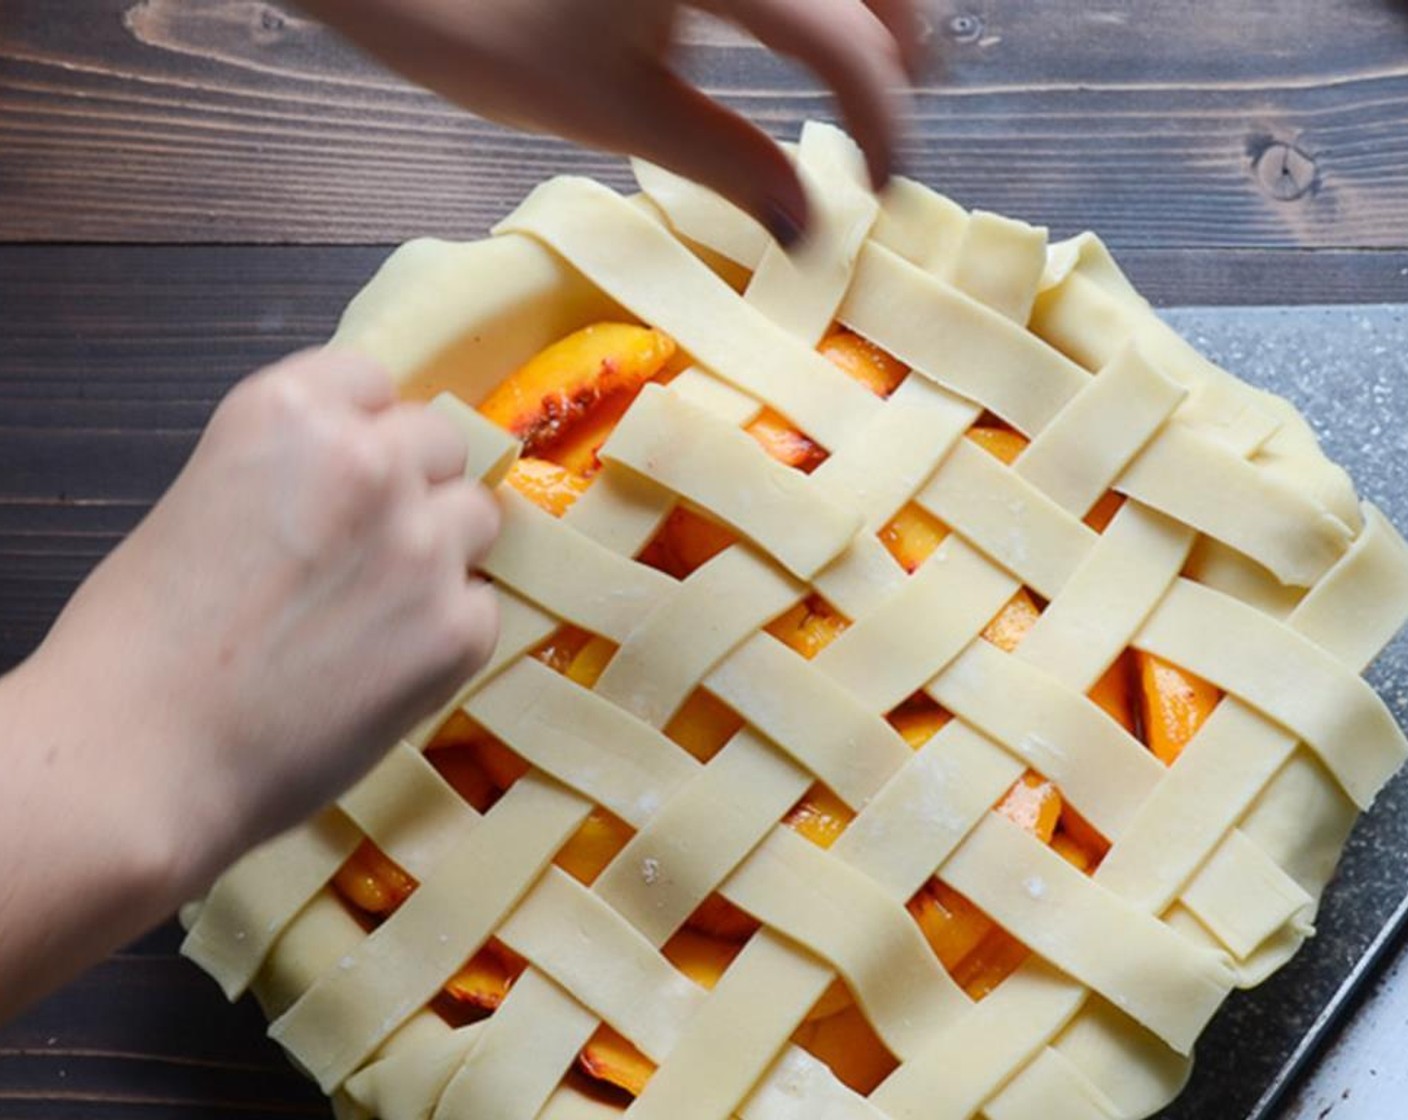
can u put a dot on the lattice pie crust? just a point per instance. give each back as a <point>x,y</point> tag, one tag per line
<point>1240,554</point>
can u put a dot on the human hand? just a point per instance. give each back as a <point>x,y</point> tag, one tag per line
<point>597,72</point>
<point>292,604</point>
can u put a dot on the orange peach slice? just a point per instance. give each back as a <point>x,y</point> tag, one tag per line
<point>1003,443</point>
<point>703,725</point>
<point>876,369</point>
<point>809,627</point>
<point>547,485</point>
<point>1033,804</point>
<point>1112,692</point>
<point>608,1057</point>
<point>785,443</point>
<point>595,844</point>
<point>372,881</point>
<point>717,917</point>
<point>918,720</point>
<point>1174,704</point>
<point>1011,624</point>
<point>561,646</point>
<point>459,765</point>
<point>685,541</point>
<point>996,957</point>
<point>486,978</point>
<point>586,668</point>
<point>820,816</point>
<point>1082,834</point>
<point>700,957</point>
<point>502,765</point>
<point>848,1044</point>
<point>563,383</point>
<point>912,536</point>
<point>951,924</point>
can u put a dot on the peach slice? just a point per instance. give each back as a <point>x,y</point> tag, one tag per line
<point>1033,804</point>
<point>719,918</point>
<point>685,541</point>
<point>918,720</point>
<point>1003,443</point>
<point>785,443</point>
<point>820,816</point>
<point>561,646</point>
<point>951,924</point>
<point>809,627</point>
<point>703,725</point>
<point>608,1057</point>
<point>459,765</point>
<point>700,957</point>
<point>912,536</point>
<point>486,978</point>
<point>560,385</point>
<point>1174,704</point>
<point>1010,625</point>
<point>503,765</point>
<point>996,957</point>
<point>876,369</point>
<point>1112,692</point>
<point>1084,835</point>
<point>595,844</point>
<point>372,881</point>
<point>848,1044</point>
<point>547,485</point>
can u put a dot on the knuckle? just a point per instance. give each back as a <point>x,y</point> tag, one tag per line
<point>359,461</point>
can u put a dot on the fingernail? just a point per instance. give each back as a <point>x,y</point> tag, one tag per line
<point>785,227</point>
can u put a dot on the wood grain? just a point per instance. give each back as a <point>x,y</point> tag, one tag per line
<point>1161,123</point>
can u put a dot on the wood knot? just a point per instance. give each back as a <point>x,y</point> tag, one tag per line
<point>965,28</point>
<point>269,23</point>
<point>1284,171</point>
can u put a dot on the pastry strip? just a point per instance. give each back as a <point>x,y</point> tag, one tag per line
<point>1104,771</point>
<point>717,608</point>
<point>795,888</point>
<point>820,726</point>
<point>1147,970</point>
<point>636,260</point>
<point>1291,680</point>
<point>252,903</point>
<point>347,1013</point>
<point>582,740</point>
<point>994,509</point>
<point>721,469</point>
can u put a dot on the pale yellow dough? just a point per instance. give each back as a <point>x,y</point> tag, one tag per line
<point>1240,553</point>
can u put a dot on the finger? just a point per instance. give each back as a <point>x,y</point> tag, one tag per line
<point>903,21</point>
<point>430,443</point>
<point>341,376</point>
<point>684,130</point>
<point>471,515</point>
<point>479,625</point>
<point>851,50</point>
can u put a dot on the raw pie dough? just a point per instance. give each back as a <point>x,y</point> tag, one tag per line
<point>1217,863</point>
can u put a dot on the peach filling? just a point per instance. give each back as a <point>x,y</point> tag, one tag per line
<point>563,403</point>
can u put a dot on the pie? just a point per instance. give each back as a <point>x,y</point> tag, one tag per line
<point>926,685</point>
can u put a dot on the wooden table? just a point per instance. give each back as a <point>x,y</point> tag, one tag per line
<point>189,188</point>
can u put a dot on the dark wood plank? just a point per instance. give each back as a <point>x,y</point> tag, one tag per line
<point>146,1037</point>
<point>110,362</point>
<point>111,359</point>
<point>1161,123</point>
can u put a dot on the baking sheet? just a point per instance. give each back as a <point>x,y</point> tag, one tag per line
<point>1346,369</point>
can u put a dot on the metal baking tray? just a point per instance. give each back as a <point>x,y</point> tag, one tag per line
<point>1346,369</point>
